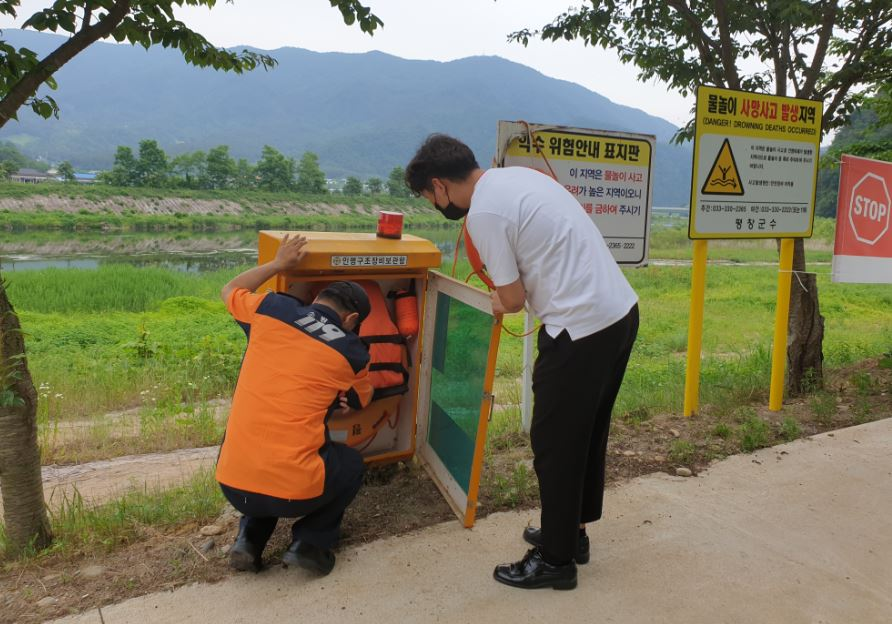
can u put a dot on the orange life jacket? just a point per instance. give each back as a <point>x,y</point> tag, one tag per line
<point>389,353</point>
<point>388,350</point>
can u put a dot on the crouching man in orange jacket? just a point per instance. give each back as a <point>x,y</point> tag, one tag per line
<point>303,362</point>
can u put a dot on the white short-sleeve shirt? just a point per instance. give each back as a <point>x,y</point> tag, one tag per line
<point>526,225</point>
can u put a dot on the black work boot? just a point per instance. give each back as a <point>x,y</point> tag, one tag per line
<point>533,572</point>
<point>309,557</point>
<point>533,537</point>
<point>244,555</point>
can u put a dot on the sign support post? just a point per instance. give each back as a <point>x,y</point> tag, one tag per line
<point>781,321</point>
<point>695,329</point>
<point>754,176</point>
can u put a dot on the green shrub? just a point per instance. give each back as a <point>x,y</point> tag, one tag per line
<point>637,416</point>
<point>823,407</point>
<point>754,434</point>
<point>722,431</point>
<point>682,452</point>
<point>863,382</point>
<point>789,429</point>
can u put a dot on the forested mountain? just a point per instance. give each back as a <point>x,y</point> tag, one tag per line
<point>362,114</point>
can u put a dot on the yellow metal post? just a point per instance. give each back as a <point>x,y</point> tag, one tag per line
<point>781,319</point>
<point>695,329</point>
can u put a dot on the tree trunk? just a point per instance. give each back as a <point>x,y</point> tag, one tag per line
<point>805,356</point>
<point>24,511</point>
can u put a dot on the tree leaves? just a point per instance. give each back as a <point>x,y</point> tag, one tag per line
<point>690,42</point>
<point>310,178</point>
<point>274,170</point>
<point>396,183</point>
<point>142,22</point>
<point>353,10</point>
<point>44,106</point>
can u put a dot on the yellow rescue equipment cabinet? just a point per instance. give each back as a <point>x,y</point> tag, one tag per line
<point>433,395</point>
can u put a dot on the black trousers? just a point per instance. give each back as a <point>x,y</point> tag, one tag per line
<point>318,519</point>
<point>575,384</point>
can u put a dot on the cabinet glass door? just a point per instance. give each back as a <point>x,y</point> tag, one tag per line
<point>460,343</point>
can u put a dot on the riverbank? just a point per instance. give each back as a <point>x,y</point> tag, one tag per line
<point>102,208</point>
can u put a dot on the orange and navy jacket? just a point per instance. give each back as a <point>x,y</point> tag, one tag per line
<point>298,361</point>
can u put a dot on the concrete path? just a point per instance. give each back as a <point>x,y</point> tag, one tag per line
<point>795,534</point>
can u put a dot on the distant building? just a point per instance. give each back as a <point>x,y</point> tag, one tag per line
<point>672,211</point>
<point>335,185</point>
<point>31,176</point>
<point>85,178</point>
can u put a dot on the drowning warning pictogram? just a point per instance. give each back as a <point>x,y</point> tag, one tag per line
<point>723,178</point>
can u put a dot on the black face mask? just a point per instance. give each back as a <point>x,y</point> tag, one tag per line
<point>452,212</point>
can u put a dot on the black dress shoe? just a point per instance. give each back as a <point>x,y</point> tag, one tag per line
<point>533,536</point>
<point>244,555</point>
<point>533,572</point>
<point>309,557</point>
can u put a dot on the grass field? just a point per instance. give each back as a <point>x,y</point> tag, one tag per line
<point>669,241</point>
<point>738,326</point>
<point>160,342</point>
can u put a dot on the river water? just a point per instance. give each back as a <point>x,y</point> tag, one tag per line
<point>193,251</point>
<point>178,251</point>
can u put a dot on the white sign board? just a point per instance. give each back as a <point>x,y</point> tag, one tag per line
<point>755,165</point>
<point>609,173</point>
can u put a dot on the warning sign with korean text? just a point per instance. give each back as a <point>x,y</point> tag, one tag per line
<point>755,165</point>
<point>609,173</point>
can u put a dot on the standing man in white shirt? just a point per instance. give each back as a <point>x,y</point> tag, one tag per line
<point>541,249</point>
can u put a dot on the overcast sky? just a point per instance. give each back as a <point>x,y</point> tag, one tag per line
<point>440,30</point>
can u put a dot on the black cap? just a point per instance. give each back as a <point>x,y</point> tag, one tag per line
<point>351,296</point>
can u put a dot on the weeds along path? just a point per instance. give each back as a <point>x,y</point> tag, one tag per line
<point>99,481</point>
<point>124,423</point>
<point>134,431</point>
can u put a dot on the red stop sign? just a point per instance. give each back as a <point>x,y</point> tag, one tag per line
<point>869,209</point>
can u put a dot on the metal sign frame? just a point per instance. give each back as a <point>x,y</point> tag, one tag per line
<point>464,505</point>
